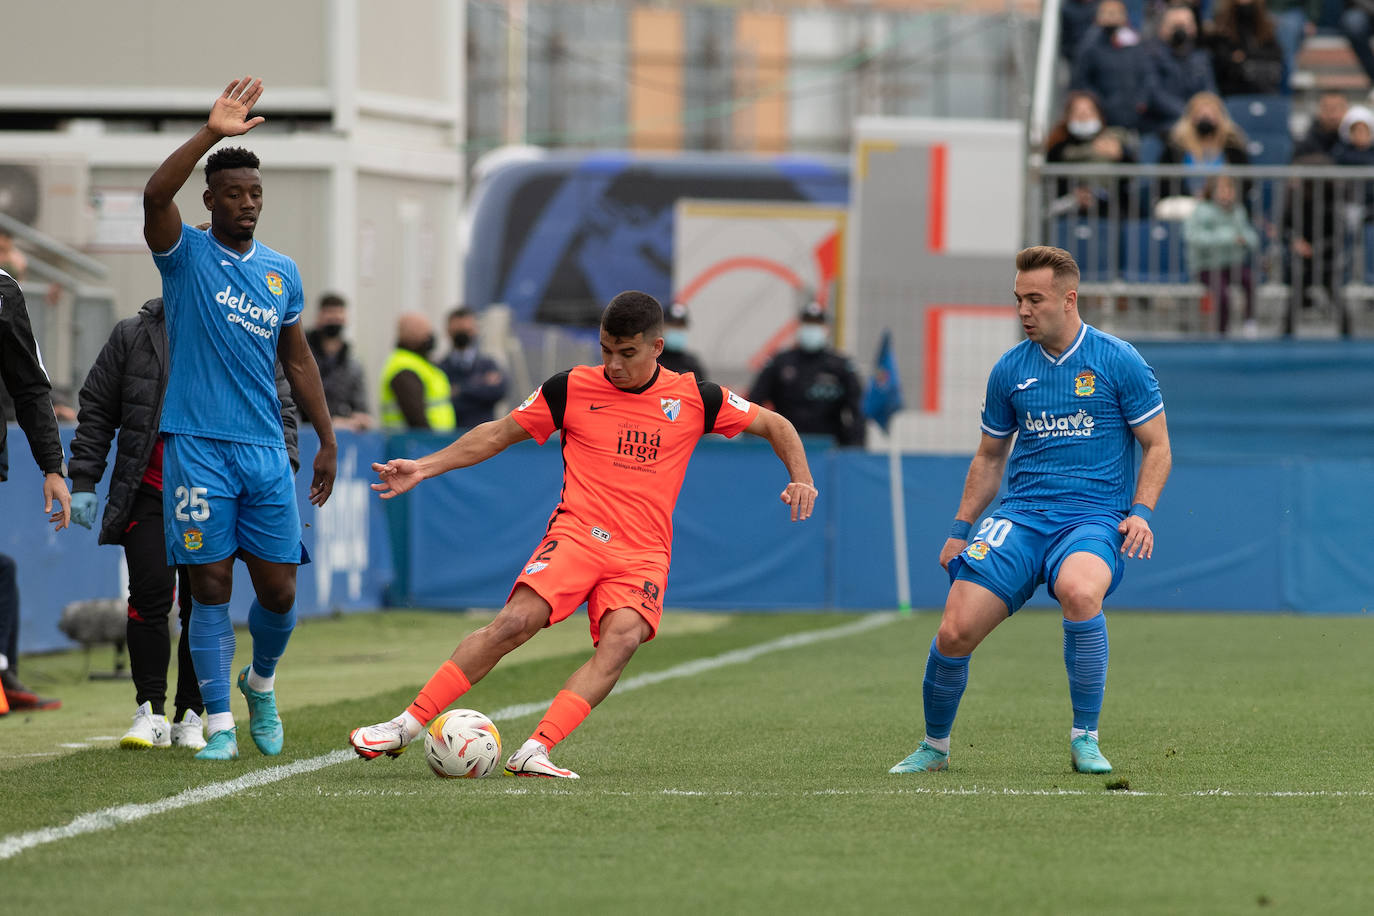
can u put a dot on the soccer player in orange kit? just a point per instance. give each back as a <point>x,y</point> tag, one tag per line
<point>628,430</point>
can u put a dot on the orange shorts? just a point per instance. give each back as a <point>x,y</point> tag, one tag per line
<point>568,568</point>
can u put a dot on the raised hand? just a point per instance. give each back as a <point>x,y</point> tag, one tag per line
<point>397,476</point>
<point>229,116</point>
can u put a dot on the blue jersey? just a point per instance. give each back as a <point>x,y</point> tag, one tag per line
<point>225,312</point>
<point>1073,415</point>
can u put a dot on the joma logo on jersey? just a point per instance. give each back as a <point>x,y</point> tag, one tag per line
<point>1048,425</point>
<point>639,445</point>
<point>1085,384</point>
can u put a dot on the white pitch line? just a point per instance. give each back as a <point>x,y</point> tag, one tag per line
<point>108,818</point>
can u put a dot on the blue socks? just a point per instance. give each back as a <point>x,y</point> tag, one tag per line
<point>211,636</point>
<point>270,634</point>
<point>942,689</point>
<point>1085,659</point>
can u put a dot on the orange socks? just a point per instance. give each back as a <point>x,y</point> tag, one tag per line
<point>565,713</point>
<point>448,684</point>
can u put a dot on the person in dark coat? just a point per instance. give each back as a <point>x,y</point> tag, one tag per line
<point>814,385</point>
<point>477,380</point>
<point>675,355</point>
<point>1181,68</point>
<point>1111,64</point>
<point>123,392</point>
<point>1246,57</point>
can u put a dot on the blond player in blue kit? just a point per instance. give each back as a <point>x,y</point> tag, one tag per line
<point>1075,401</point>
<point>233,307</point>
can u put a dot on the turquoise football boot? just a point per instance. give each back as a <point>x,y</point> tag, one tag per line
<point>263,722</point>
<point>925,759</point>
<point>1086,757</point>
<point>223,745</point>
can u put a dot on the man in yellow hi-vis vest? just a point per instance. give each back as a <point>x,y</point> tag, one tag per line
<point>415,393</point>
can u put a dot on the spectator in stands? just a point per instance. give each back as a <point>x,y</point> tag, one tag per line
<point>1294,21</point>
<point>1182,69</point>
<point>477,381</point>
<point>1311,220</point>
<point>12,261</point>
<point>1357,25</point>
<point>1206,139</point>
<point>1221,244</point>
<point>1112,64</point>
<point>345,388</point>
<point>1076,18</point>
<point>415,393</point>
<point>1246,57</point>
<point>1081,137</point>
<point>1355,143</point>
<point>675,356</point>
<point>1325,131</point>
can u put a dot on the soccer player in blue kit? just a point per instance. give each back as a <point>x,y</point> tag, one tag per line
<point>1078,401</point>
<point>233,307</point>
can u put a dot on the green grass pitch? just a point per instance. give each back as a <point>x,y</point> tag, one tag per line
<point>1241,743</point>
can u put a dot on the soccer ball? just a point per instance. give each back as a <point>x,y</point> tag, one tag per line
<point>462,744</point>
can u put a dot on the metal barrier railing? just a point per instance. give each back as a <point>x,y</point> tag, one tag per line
<point>1156,257</point>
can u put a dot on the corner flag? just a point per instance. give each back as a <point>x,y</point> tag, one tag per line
<point>884,396</point>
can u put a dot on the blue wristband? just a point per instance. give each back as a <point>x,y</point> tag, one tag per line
<point>960,529</point>
<point>1141,510</point>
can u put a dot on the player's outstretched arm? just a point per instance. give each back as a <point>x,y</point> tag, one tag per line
<point>228,118</point>
<point>1156,459</point>
<point>800,493</point>
<point>475,446</point>
<point>980,488</point>
<point>304,375</point>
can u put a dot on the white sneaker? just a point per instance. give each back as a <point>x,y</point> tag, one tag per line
<point>189,732</point>
<point>148,730</point>
<point>533,760</point>
<point>372,741</point>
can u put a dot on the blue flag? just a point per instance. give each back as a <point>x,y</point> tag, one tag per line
<point>884,397</point>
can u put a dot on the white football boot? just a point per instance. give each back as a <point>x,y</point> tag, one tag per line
<point>189,732</point>
<point>148,730</point>
<point>372,741</point>
<point>533,760</point>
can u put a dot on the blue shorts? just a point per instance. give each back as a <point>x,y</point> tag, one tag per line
<point>1014,551</point>
<point>221,497</point>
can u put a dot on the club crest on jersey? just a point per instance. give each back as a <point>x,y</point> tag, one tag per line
<point>1085,383</point>
<point>671,407</point>
<point>194,539</point>
<point>530,400</point>
<point>978,550</point>
<point>274,282</point>
<point>535,567</point>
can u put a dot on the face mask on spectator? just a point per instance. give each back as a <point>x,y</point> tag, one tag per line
<point>331,330</point>
<point>1085,130</point>
<point>461,339</point>
<point>1205,127</point>
<point>675,339</point>
<point>811,337</point>
<point>1180,40</point>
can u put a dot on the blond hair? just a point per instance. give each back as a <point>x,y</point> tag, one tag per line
<point>1038,257</point>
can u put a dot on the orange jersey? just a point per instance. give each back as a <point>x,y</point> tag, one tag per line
<point>625,453</point>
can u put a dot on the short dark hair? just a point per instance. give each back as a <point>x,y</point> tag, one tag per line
<point>333,300</point>
<point>1038,257</point>
<point>631,313</point>
<point>231,157</point>
<point>461,311</point>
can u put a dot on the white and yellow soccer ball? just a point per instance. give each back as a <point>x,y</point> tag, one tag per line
<point>462,744</point>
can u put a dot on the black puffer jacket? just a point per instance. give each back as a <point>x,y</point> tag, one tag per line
<point>124,391</point>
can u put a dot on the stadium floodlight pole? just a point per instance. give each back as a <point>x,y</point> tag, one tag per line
<point>1045,57</point>
<point>897,493</point>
